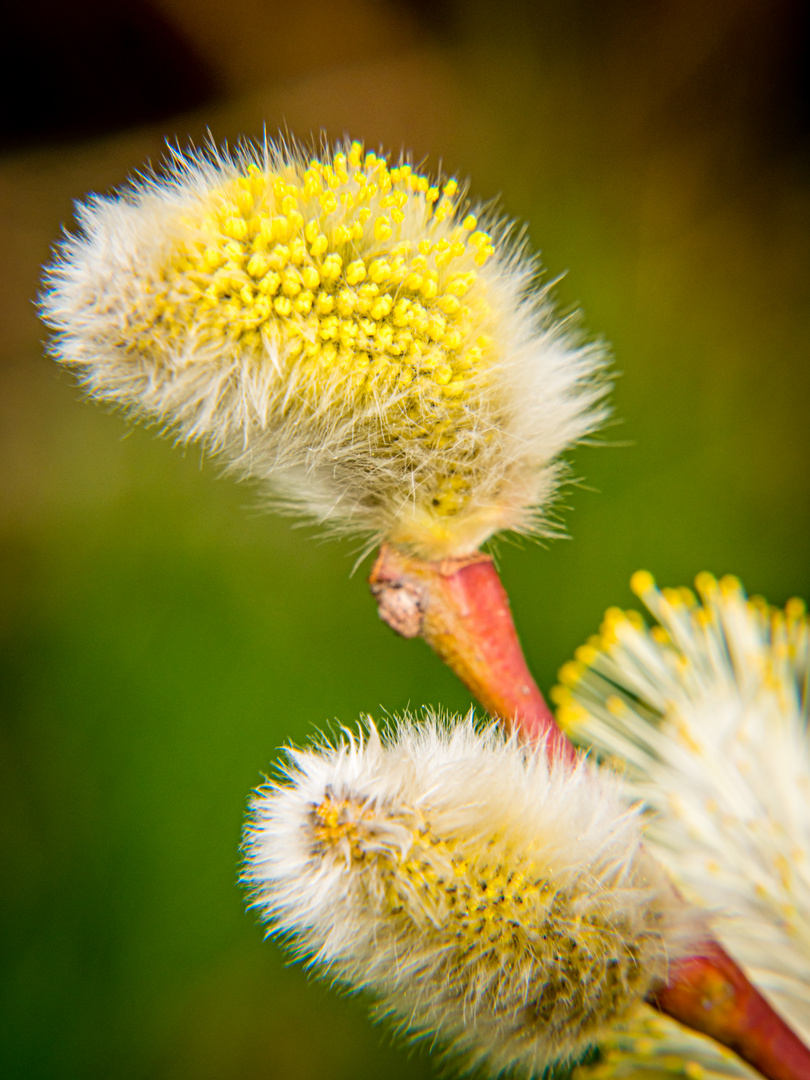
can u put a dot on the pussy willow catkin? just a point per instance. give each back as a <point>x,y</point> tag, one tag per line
<point>340,327</point>
<point>485,895</point>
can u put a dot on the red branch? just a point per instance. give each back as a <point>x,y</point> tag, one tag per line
<point>711,994</point>
<point>461,609</point>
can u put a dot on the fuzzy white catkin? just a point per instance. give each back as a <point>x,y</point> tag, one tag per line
<point>486,896</point>
<point>706,716</point>
<point>338,328</point>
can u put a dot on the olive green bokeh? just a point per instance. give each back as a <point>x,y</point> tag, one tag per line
<point>161,637</point>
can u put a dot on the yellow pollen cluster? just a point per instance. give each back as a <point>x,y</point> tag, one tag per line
<point>363,278</point>
<point>573,967</point>
<point>784,636</point>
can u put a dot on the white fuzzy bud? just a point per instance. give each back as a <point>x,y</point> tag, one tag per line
<point>484,895</point>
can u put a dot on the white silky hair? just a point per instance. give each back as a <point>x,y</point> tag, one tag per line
<point>442,823</point>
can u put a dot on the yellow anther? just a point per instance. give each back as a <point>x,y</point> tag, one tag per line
<point>310,277</point>
<point>331,267</point>
<point>615,705</point>
<point>282,305</point>
<point>319,246</point>
<point>452,342</point>
<point>706,584</point>
<point>432,194</point>
<point>366,294</point>
<point>379,270</point>
<point>442,375</point>
<point>450,304</point>
<point>328,201</point>
<point>795,608</point>
<point>312,231</point>
<point>258,265</point>
<point>324,303</point>
<point>470,223</point>
<point>429,286</point>
<point>212,258</point>
<point>419,321</point>
<point>385,335</point>
<point>342,234</point>
<point>570,673</point>
<point>404,341</point>
<point>339,165</point>
<point>382,229</point>
<point>264,237</point>
<point>312,184</point>
<point>291,282</point>
<point>303,302</point>
<point>355,272</point>
<point>346,301</point>
<point>642,582</point>
<point>413,281</point>
<point>586,654</point>
<point>459,284</point>
<point>270,283</point>
<point>729,584</point>
<point>450,188</point>
<point>436,327</point>
<point>381,306</point>
<point>401,315</point>
<point>235,227</point>
<point>278,257</point>
<point>560,695</point>
<point>233,252</point>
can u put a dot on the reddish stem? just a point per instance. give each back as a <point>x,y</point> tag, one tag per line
<point>461,609</point>
<point>711,994</point>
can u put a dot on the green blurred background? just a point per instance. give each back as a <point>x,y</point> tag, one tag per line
<point>161,637</point>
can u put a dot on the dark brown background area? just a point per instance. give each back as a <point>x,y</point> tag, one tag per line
<point>160,637</point>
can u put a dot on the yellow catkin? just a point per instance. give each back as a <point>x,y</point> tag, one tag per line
<point>338,329</point>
